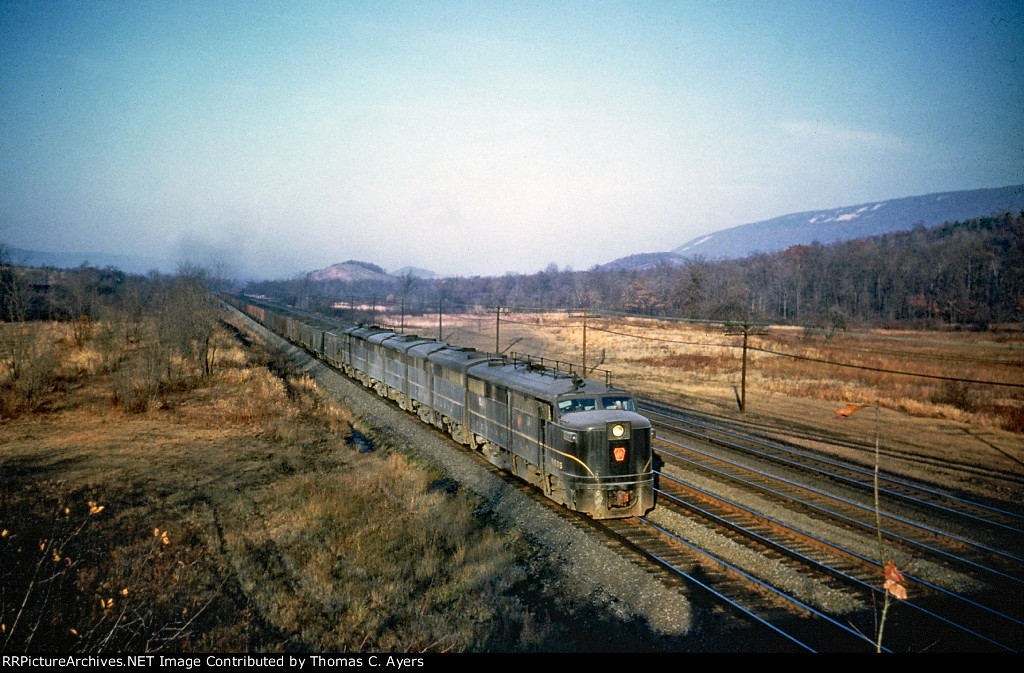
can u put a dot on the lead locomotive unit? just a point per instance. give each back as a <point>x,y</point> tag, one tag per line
<point>579,440</point>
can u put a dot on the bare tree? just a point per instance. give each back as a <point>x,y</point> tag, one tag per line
<point>189,316</point>
<point>30,361</point>
<point>15,303</point>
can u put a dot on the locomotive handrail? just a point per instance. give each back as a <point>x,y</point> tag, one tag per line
<point>543,364</point>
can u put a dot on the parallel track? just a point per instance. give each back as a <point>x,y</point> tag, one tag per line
<point>980,541</point>
<point>713,581</point>
<point>821,495</point>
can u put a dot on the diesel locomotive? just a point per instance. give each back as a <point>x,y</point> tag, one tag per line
<point>580,441</point>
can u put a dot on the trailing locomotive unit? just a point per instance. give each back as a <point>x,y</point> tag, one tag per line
<point>580,441</point>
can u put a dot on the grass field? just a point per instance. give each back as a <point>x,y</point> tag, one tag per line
<point>231,514</point>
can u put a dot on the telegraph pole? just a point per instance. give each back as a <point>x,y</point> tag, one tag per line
<point>743,371</point>
<point>497,330</point>
<point>584,343</point>
<point>746,328</point>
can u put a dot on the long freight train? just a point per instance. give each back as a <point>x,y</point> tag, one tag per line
<point>579,441</point>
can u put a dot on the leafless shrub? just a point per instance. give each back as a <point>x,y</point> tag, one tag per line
<point>1014,419</point>
<point>959,394</point>
<point>188,317</point>
<point>69,586</point>
<point>30,367</point>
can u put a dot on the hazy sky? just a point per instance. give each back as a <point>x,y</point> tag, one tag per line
<point>483,137</point>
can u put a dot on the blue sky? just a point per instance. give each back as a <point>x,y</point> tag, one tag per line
<point>477,138</point>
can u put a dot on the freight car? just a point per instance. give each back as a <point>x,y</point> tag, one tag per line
<point>580,441</point>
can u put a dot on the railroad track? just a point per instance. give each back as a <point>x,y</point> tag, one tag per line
<point>997,520</point>
<point>787,623</point>
<point>809,576</point>
<point>803,527</point>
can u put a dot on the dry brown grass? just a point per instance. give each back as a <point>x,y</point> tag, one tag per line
<point>381,560</point>
<point>278,534</point>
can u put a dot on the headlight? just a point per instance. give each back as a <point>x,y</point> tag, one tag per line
<point>618,430</point>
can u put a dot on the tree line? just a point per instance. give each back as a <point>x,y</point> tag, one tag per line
<point>957,274</point>
<point>150,334</point>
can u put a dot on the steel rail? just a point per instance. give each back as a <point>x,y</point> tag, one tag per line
<point>833,571</point>
<point>856,484</point>
<point>852,468</point>
<point>668,565</point>
<point>757,581</point>
<point>913,543</point>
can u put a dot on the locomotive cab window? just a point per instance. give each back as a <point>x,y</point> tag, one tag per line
<point>575,404</point>
<point>618,402</point>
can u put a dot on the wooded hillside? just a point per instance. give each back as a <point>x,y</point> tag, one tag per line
<point>963,274</point>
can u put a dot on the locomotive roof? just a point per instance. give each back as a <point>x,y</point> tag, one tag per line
<point>426,347</point>
<point>589,419</point>
<point>457,358</point>
<point>366,331</point>
<point>397,341</point>
<point>541,383</point>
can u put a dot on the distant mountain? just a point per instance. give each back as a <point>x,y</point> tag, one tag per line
<point>350,271</point>
<point>414,272</point>
<point>644,260</point>
<point>73,260</point>
<point>852,222</point>
<point>354,270</point>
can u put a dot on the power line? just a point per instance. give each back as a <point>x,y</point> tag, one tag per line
<point>802,357</point>
<point>794,356</point>
<point>886,371</point>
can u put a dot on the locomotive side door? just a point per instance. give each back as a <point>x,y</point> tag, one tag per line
<point>544,412</point>
<point>545,419</point>
<point>527,417</point>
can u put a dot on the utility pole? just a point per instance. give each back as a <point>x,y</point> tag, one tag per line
<point>440,310</point>
<point>746,328</point>
<point>743,371</point>
<point>584,343</point>
<point>497,330</point>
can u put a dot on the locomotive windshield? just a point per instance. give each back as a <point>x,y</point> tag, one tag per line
<point>618,402</point>
<point>576,404</point>
<point>573,404</point>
